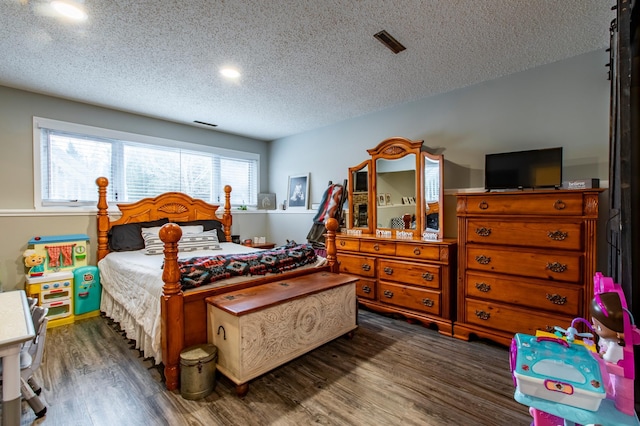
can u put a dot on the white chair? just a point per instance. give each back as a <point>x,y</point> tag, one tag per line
<point>30,359</point>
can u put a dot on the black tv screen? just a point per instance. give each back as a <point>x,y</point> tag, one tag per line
<point>362,182</point>
<point>541,168</point>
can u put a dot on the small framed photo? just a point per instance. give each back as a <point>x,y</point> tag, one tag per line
<point>266,201</point>
<point>298,192</point>
<point>405,200</point>
<point>381,200</point>
<point>387,199</point>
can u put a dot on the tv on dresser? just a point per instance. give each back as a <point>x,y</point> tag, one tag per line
<point>540,168</point>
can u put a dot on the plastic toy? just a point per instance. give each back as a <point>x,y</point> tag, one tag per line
<point>613,357</point>
<point>33,261</point>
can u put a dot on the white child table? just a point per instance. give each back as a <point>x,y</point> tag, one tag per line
<point>16,327</point>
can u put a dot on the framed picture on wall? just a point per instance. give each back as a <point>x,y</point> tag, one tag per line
<point>298,192</point>
<point>266,201</point>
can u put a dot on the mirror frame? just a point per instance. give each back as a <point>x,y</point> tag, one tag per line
<point>393,149</point>
<point>351,214</point>
<point>390,149</point>
<point>424,157</point>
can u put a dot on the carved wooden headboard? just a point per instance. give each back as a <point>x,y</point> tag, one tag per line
<point>175,206</point>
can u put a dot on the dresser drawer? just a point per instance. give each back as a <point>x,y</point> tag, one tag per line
<point>510,319</point>
<point>347,244</point>
<point>549,266</point>
<point>413,298</point>
<point>378,247</point>
<point>560,298</point>
<point>409,273</point>
<point>366,288</point>
<point>357,265</point>
<point>561,204</point>
<point>418,251</point>
<point>551,235</point>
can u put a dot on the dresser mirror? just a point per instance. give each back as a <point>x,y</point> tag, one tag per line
<point>360,196</point>
<point>397,191</point>
<point>432,167</point>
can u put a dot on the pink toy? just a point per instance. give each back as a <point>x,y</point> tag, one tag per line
<point>620,368</point>
<point>617,333</point>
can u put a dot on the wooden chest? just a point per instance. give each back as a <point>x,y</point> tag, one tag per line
<point>263,327</point>
<point>526,261</point>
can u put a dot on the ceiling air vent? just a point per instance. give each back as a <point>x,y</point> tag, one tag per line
<point>386,39</point>
<point>205,124</point>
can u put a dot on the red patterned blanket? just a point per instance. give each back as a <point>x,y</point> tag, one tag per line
<point>199,271</point>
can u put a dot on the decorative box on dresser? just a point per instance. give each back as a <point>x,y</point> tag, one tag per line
<point>526,261</point>
<point>409,277</point>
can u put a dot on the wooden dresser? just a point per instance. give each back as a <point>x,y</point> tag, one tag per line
<point>526,261</point>
<point>413,278</point>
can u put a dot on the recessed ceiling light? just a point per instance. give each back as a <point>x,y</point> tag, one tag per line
<point>230,73</point>
<point>69,9</point>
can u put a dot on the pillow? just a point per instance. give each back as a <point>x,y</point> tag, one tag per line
<point>208,225</point>
<point>185,229</point>
<point>207,240</point>
<point>189,242</point>
<point>128,237</point>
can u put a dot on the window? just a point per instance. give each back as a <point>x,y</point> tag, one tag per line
<point>70,157</point>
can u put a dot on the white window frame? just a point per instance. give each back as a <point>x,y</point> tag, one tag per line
<point>40,122</point>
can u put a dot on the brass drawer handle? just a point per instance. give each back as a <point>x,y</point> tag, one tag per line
<point>483,232</point>
<point>556,299</point>
<point>559,205</point>
<point>428,276</point>
<point>416,251</point>
<point>556,267</point>
<point>388,270</point>
<point>388,294</point>
<point>342,243</point>
<point>427,302</point>
<point>366,289</point>
<point>483,287</point>
<point>366,267</point>
<point>483,205</point>
<point>483,260</point>
<point>376,247</point>
<point>483,315</point>
<point>557,235</point>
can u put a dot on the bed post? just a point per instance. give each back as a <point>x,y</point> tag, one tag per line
<point>103,217</point>
<point>330,243</point>
<point>171,306</point>
<point>226,216</point>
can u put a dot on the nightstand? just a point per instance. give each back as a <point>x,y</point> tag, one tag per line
<point>263,245</point>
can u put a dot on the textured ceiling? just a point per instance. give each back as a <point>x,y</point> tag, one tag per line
<point>304,64</point>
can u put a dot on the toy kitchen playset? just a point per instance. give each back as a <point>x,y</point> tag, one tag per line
<point>59,277</point>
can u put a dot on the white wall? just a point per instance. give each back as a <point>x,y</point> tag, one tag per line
<point>560,104</point>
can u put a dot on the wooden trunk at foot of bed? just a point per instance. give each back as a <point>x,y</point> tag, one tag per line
<point>184,316</point>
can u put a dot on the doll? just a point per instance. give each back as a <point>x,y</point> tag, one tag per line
<point>34,262</point>
<point>607,318</point>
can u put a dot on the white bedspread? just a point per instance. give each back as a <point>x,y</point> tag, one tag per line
<point>132,286</point>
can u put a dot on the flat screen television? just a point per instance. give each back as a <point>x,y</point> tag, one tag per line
<point>362,182</point>
<point>540,168</point>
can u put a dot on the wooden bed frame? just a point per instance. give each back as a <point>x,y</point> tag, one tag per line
<point>184,316</point>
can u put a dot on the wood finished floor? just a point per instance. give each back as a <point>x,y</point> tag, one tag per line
<point>390,373</point>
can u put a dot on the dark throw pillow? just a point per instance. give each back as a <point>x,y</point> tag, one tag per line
<point>128,237</point>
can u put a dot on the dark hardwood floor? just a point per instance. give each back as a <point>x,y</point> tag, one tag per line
<point>390,373</point>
